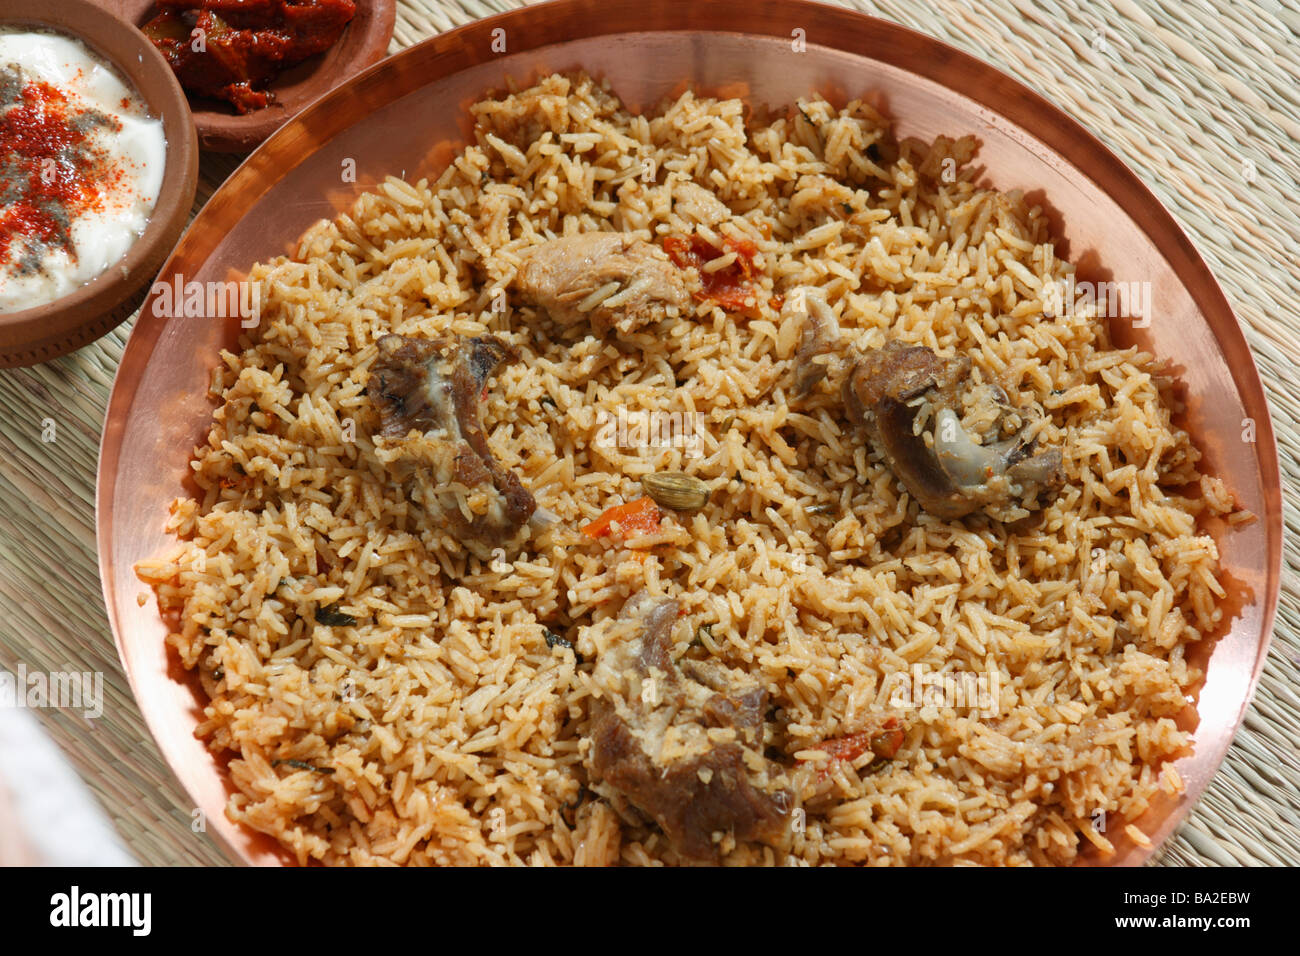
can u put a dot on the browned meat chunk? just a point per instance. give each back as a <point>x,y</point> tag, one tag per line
<point>821,334</point>
<point>912,402</point>
<point>683,745</point>
<point>427,394</point>
<point>612,280</point>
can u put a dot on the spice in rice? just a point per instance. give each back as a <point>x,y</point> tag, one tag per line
<point>443,711</point>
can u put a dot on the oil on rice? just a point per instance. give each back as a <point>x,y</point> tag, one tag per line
<point>443,727</point>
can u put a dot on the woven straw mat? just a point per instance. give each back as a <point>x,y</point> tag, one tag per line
<point>1201,100</point>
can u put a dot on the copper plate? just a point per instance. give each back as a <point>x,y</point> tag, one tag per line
<point>408,114</point>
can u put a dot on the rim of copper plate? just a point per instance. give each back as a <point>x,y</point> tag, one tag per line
<point>560,21</point>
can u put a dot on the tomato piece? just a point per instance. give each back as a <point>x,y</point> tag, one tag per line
<point>884,744</point>
<point>729,287</point>
<point>634,518</point>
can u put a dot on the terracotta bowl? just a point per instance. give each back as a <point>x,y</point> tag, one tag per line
<point>222,130</point>
<point>83,315</point>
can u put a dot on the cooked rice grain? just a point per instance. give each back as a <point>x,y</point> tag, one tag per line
<point>442,728</point>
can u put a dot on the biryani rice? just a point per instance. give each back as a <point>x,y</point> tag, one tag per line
<point>442,727</point>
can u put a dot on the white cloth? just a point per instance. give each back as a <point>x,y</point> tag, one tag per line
<point>55,815</point>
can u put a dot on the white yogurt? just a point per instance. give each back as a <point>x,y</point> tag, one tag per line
<point>128,152</point>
